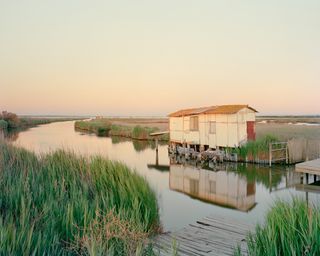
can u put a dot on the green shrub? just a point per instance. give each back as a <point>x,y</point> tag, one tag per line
<point>103,131</point>
<point>11,118</point>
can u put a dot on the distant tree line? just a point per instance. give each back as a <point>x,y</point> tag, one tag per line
<point>8,120</point>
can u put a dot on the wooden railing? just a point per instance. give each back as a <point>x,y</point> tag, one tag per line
<point>281,148</point>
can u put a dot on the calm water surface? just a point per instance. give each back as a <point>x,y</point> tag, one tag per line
<point>185,193</point>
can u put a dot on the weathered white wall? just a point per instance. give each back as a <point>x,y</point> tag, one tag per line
<point>231,130</point>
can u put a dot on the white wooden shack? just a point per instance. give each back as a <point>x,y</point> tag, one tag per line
<point>213,127</point>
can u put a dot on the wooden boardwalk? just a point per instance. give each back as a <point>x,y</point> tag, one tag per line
<point>211,236</point>
<point>310,167</point>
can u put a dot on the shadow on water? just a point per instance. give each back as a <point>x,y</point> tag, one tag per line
<point>10,136</point>
<point>138,145</point>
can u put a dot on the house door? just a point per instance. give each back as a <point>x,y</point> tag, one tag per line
<point>251,134</point>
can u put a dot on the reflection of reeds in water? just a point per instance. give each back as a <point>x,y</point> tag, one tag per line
<point>251,172</point>
<point>11,135</point>
<point>138,145</point>
<point>260,174</point>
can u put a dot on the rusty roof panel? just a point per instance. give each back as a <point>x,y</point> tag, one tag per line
<point>223,109</point>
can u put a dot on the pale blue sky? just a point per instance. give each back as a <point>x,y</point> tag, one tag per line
<point>154,57</point>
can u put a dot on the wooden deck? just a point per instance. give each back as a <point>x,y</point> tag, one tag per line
<point>159,133</point>
<point>211,236</point>
<point>310,167</point>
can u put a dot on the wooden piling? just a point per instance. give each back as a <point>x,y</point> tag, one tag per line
<point>270,154</point>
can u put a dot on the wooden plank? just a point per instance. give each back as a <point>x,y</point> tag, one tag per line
<point>278,149</point>
<point>312,167</point>
<point>210,245</point>
<point>188,249</point>
<point>209,236</point>
<point>226,223</point>
<point>159,133</point>
<point>224,232</point>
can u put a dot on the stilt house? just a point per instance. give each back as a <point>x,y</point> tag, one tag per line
<point>213,127</point>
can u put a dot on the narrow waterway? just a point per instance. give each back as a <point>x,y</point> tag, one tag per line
<point>185,192</point>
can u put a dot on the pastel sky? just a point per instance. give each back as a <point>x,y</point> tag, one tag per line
<point>143,58</point>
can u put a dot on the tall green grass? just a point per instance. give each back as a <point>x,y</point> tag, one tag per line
<point>291,228</point>
<point>255,148</point>
<point>63,204</point>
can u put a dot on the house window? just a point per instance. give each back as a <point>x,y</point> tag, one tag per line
<point>194,123</point>
<point>213,127</point>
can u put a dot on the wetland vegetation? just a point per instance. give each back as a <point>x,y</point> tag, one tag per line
<point>258,148</point>
<point>105,127</point>
<point>63,204</point>
<point>290,228</point>
<point>107,211</point>
<point>10,121</point>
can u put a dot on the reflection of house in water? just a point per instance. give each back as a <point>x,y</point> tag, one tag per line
<point>224,188</point>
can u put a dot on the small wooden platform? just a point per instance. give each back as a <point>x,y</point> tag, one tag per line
<point>211,236</point>
<point>159,133</point>
<point>311,167</point>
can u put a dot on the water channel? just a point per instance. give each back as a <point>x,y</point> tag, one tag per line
<point>186,193</point>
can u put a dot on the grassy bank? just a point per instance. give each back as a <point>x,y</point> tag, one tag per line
<point>10,121</point>
<point>62,204</point>
<point>27,122</point>
<point>104,127</point>
<point>290,229</point>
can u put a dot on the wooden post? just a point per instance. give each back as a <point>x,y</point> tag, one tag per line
<point>287,155</point>
<point>157,145</point>
<point>157,158</point>
<point>270,154</point>
<point>270,181</point>
<point>307,151</point>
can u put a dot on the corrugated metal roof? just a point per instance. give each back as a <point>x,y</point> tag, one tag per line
<point>223,109</point>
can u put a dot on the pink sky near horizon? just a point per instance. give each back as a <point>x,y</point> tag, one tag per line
<point>150,58</point>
